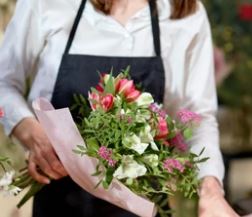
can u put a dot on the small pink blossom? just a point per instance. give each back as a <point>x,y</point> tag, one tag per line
<point>179,143</point>
<point>155,108</point>
<point>106,154</point>
<point>171,164</point>
<point>112,162</point>
<point>187,116</point>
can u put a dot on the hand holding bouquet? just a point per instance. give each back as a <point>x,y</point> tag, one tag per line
<point>133,151</point>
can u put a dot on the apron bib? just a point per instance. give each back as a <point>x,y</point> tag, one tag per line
<point>77,73</point>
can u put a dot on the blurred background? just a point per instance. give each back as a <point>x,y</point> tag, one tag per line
<point>232,33</point>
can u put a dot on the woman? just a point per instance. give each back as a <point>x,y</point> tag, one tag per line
<point>61,44</point>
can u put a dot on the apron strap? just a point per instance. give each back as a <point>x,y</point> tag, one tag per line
<point>155,26</point>
<point>154,23</point>
<point>75,26</point>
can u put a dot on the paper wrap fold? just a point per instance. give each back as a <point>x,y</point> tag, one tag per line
<point>64,136</point>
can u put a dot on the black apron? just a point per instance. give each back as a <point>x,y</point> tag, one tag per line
<point>77,73</point>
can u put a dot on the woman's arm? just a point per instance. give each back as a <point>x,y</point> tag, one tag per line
<point>200,95</point>
<point>24,40</point>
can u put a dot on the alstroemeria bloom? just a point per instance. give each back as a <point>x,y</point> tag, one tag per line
<point>162,129</point>
<point>94,99</point>
<point>132,95</point>
<point>127,89</point>
<point>129,168</point>
<point>107,102</point>
<point>99,87</point>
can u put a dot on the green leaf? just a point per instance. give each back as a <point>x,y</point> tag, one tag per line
<point>92,144</point>
<point>202,151</point>
<point>35,187</point>
<point>109,175</point>
<point>97,173</point>
<point>110,85</point>
<point>188,133</point>
<point>202,160</point>
<point>105,184</point>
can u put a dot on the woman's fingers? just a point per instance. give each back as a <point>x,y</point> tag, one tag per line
<point>55,164</point>
<point>45,166</point>
<point>32,168</point>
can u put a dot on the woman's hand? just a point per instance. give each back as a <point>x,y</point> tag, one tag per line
<point>212,202</point>
<point>42,155</point>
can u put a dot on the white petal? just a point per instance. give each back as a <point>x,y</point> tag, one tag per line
<point>144,100</point>
<point>139,147</point>
<point>154,146</point>
<point>145,134</point>
<point>129,169</point>
<point>7,178</point>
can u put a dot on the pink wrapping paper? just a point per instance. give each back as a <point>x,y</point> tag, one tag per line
<point>64,136</point>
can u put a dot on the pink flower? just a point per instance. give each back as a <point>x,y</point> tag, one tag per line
<point>94,99</point>
<point>107,102</point>
<point>155,108</point>
<point>106,154</point>
<point>112,162</point>
<point>99,88</point>
<point>127,89</point>
<point>1,113</point>
<point>187,116</point>
<point>171,164</point>
<point>162,129</point>
<point>179,143</point>
<point>124,85</point>
<point>132,95</point>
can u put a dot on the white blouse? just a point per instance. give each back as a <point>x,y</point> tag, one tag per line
<point>37,34</point>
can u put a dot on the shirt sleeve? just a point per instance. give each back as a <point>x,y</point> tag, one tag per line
<point>200,97</point>
<point>19,52</point>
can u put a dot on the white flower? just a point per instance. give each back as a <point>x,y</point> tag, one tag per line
<point>145,134</point>
<point>129,168</point>
<point>10,190</point>
<point>134,142</point>
<point>142,116</point>
<point>7,178</point>
<point>151,159</point>
<point>154,146</point>
<point>144,100</point>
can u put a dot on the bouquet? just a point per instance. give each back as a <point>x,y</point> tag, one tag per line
<point>133,153</point>
<point>137,142</point>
